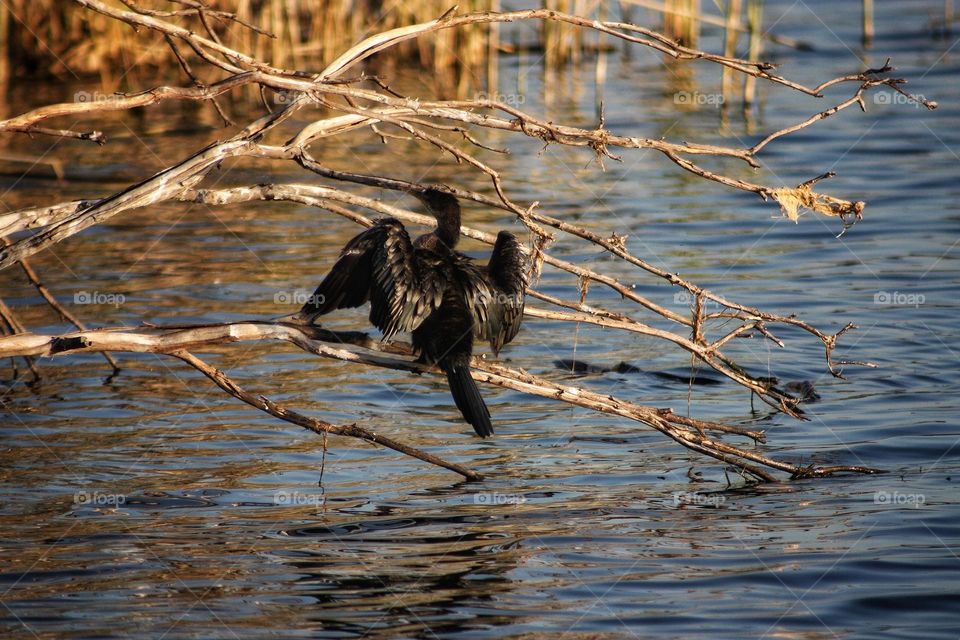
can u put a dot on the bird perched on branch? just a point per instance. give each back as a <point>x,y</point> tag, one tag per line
<point>434,291</point>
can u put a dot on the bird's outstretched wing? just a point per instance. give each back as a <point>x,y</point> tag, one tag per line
<point>407,284</point>
<point>380,265</point>
<point>348,283</point>
<point>506,277</point>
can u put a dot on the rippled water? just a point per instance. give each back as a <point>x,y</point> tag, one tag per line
<point>200,517</point>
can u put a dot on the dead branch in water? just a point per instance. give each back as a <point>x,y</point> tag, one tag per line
<point>175,341</point>
<point>313,424</point>
<point>363,102</point>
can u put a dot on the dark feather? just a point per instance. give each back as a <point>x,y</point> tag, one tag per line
<point>506,274</point>
<point>394,279</point>
<point>348,283</point>
<point>468,399</point>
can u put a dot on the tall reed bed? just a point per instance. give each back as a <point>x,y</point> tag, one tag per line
<point>59,38</point>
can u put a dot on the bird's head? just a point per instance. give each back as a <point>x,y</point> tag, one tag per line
<point>437,202</point>
<point>445,208</point>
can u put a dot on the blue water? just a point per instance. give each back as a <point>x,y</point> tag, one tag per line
<point>156,505</point>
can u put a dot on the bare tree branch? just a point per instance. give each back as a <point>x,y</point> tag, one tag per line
<point>314,424</point>
<point>177,341</point>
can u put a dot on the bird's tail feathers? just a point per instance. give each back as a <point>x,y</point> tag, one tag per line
<point>468,399</point>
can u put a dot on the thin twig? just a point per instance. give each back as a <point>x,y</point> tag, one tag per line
<point>314,424</point>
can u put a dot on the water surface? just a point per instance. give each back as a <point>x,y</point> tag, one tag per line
<point>155,503</point>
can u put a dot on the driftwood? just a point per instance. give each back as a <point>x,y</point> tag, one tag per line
<point>361,101</point>
<point>178,342</point>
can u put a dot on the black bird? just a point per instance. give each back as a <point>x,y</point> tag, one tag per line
<point>436,292</point>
